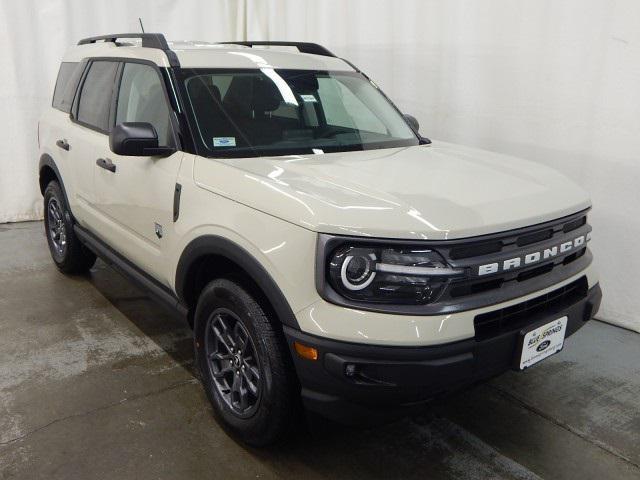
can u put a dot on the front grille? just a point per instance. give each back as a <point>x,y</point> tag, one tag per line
<point>528,237</point>
<point>474,250</point>
<point>470,254</point>
<point>573,225</point>
<point>535,237</point>
<point>520,315</point>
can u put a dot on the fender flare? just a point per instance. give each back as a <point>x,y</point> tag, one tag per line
<point>47,161</point>
<point>216,245</point>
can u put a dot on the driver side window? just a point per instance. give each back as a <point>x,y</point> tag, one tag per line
<point>141,99</point>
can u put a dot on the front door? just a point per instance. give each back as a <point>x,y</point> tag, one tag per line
<point>134,195</point>
<point>89,135</point>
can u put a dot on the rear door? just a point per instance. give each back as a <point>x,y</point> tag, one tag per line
<point>135,198</point>
<point>56,130</point>
<point>89,135</point>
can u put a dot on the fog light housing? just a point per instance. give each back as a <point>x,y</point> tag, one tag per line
<point>350,369</point>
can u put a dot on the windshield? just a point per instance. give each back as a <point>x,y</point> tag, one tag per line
<point>244,113</point>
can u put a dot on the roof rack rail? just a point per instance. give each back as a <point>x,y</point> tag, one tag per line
<point>149,40</point>
<point>303,47</point>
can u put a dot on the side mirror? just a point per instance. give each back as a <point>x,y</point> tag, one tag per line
<point>413,122</point>
<point>136,139</point>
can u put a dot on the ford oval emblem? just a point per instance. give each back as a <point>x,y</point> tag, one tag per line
<point>543,345</point>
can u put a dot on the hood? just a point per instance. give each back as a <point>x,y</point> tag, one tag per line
<point>436,192</point>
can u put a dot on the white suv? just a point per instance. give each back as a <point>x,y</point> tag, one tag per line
<point>324,252</point>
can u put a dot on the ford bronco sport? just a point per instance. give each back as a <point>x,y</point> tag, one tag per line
<point>324,252</point>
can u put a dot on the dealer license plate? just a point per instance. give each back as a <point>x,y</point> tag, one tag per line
<point>542,342</point>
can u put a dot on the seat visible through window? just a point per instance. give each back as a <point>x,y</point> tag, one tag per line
<point>244,111</point>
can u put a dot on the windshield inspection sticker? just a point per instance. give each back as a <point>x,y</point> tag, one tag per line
<point>224,141</point>
<point>309,98</point>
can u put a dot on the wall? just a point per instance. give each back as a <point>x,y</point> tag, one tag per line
<point>554,82</point>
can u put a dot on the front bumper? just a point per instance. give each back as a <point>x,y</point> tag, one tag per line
<point>353,383</point>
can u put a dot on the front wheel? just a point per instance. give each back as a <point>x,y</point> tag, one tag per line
<point>243,364</point>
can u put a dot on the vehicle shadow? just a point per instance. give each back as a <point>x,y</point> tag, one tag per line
<point>167,330</point>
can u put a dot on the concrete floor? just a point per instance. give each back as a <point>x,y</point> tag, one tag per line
<point>96,381</point>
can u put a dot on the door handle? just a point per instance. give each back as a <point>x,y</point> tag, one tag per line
<point>107,164</point>
<point>63,145</point>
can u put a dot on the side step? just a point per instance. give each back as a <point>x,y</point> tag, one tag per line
<point>142,280</point>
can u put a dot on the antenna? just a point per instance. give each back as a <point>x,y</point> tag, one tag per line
<point>141,26</point>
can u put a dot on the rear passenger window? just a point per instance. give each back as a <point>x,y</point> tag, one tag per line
<point>95,97</point>
<point>66,84</point>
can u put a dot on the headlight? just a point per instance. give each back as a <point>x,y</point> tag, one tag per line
<point>412,276</point>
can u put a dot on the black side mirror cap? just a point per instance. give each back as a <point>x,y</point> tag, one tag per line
<point>158,151</point>
<point>136,139</point>
<point>415,125</point>
<point>413,122</point>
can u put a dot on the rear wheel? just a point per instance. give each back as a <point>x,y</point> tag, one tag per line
<point>68,253</point>
<point>243,364</point>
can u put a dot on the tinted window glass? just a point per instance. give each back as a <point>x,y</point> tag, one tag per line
<point>141,99</point>
<point>343,108</point>
<point>66,84</point>
<point>95,97</point>
<point>283,112</point>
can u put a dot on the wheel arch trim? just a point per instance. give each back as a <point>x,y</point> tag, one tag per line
<point>46,161</point>
<point>214,245</point>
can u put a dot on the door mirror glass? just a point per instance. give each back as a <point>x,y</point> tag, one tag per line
<point>137,139</point>
<point>413,122</point>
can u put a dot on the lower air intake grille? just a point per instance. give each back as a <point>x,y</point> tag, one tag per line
<point>517,316</point>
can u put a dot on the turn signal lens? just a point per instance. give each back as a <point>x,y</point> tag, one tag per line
<point>309,353</point>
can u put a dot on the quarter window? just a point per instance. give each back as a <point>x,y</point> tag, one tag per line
<point>66,84</point>
<point>141,99</point>
<point>95,97</point>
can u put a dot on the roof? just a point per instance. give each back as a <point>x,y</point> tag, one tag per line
<point>195,54</point>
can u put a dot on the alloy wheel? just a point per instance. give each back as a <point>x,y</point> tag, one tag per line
<point>233,362</point>
<point>57,227</point>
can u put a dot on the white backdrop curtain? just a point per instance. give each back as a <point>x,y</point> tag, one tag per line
<point>34,34</point>
<point>554,82</point>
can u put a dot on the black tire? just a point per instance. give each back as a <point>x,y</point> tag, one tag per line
<point>67,252</point>
<point>224,304</point>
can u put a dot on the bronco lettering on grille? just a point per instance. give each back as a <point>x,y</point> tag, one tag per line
<point>534,257</point>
